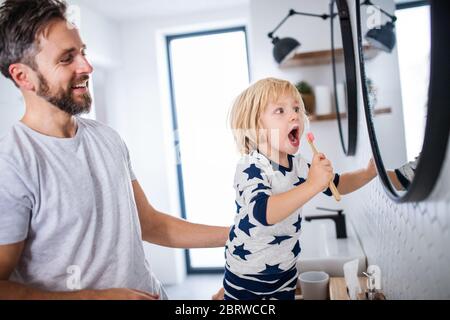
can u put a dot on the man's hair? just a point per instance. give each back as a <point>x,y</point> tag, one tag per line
<point>21,23</point>
<point>251,103</point>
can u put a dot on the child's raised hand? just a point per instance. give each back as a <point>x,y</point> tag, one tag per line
<point>321,172</point>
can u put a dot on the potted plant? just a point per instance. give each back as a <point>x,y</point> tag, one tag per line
<point>307,95</point>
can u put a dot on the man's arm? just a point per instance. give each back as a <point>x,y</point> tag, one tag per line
<point>165,230</point>
<point>9,257</point>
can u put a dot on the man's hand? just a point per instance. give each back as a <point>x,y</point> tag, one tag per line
<point>219,295</point>
<point>9,257</point>
<point>121,294</point>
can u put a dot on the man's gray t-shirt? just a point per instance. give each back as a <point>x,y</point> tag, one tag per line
<point>72,202</point>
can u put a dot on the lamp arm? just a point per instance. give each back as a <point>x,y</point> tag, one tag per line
<point>270,34</point>
<point>393,18</point>
<point>293,12</point>
<point>323,16</point>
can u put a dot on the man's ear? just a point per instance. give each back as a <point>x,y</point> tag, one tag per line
<point>21,75</point>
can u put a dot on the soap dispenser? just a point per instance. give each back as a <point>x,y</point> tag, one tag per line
<point>373,291</point>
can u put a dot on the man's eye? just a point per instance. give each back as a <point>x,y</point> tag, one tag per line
<point>67,59</point>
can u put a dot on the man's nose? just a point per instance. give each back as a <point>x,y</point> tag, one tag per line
<point>83,66</point>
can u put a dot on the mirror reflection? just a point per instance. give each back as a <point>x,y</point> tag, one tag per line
<point>339,78</point>
<point>397,79</point>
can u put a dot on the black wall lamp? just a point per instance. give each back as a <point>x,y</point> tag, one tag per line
<point>381,37</point>
<point>285,48</point>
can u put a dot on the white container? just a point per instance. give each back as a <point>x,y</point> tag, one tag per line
<point>341,97</point>
<point>324,103</point>
<point>314,285</point>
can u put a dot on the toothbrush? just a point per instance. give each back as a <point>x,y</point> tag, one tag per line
<point>334,190</point>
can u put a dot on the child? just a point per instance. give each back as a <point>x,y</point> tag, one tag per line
<point>272,184</point>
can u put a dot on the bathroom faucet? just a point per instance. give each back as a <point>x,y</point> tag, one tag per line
<point>339,221</point>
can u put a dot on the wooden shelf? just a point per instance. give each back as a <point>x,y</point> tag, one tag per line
<point>333,116</point>
<point>383,110</point>
<point>314,58</point>
<point>325,117</point>
<point>338,288</point>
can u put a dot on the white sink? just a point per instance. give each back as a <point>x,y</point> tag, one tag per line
<point>322,251</point>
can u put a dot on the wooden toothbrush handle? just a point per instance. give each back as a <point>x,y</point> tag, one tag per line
<point>335,191</point>
<point>332,186</point>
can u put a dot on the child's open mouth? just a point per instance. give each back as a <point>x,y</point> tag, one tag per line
<point>293,137</point>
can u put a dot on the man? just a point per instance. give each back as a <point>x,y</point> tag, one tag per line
<point>72,213</point>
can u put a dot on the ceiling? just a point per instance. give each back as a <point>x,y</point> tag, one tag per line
<point>406,1</point>
<point>131,9</point>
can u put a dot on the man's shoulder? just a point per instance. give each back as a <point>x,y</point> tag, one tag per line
<point>102,132</point>
<point>12,146</point>
<point>5,139</point>
<point>95,124</point>
<point>99,127</point>
<point>11,140</point>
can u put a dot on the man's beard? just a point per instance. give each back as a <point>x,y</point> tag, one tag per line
<point>63,98</point>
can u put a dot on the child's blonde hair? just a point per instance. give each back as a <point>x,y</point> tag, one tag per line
<point>251,103</point>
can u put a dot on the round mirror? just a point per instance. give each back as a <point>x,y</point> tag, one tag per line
<point>344,75</point>
<point>405,74</point>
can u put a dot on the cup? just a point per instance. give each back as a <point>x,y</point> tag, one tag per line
<point>314,285</point>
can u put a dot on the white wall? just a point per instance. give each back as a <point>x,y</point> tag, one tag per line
<point>100,34</point>
<point>11,105</point>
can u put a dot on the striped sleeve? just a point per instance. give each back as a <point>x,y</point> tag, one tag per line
<point>253,189</point>
<point>336,183</point>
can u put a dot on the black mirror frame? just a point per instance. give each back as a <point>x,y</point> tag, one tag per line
<point>437,128</point>
<point>349,147</point>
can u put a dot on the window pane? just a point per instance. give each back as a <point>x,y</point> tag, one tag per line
<point>208,72</point>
